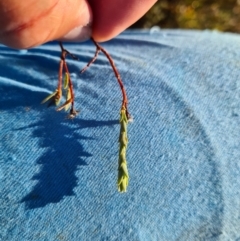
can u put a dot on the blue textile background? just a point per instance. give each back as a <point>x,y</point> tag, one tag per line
<point>58,176</point>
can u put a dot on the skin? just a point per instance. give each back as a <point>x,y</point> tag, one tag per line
<point>111,19</point>
<point>28,23</point>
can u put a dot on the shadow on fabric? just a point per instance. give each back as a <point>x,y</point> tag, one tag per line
<point>60,152</point>
<point>63,157</point>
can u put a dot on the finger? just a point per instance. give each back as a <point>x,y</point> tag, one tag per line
<point>112,17</point>
<point>24,24</point>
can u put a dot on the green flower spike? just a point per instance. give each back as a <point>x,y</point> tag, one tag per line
<point>68,98</point>
<point>122,162</point>
<point>55,97</point>
<point>66,81</point>
<point>68,92</point>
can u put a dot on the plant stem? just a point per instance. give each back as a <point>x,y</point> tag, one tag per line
<point>99,48</point>
<point>63,65</point>
<point>123,177</point>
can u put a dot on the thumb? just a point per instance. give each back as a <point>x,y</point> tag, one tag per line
<point>25,24</point>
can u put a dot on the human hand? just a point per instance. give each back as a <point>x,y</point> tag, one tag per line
<point>25,24</point>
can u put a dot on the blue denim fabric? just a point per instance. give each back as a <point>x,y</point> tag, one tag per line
<point>58,176</point>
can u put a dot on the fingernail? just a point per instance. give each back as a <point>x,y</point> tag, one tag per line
<point>83,29</point>
<point>78,34</point>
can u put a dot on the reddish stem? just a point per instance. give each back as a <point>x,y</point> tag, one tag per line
<point>69,83</point>
<point>60,75</point>
<point>63,64</point>
<point>91,61</point>
<point>125,100</point>
<point>124,94</point>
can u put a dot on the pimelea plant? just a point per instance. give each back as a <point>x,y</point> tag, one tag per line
<point>125,117</point>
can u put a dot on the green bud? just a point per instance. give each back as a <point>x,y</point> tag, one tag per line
<point>66,81</point>
<point>122,163</point>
